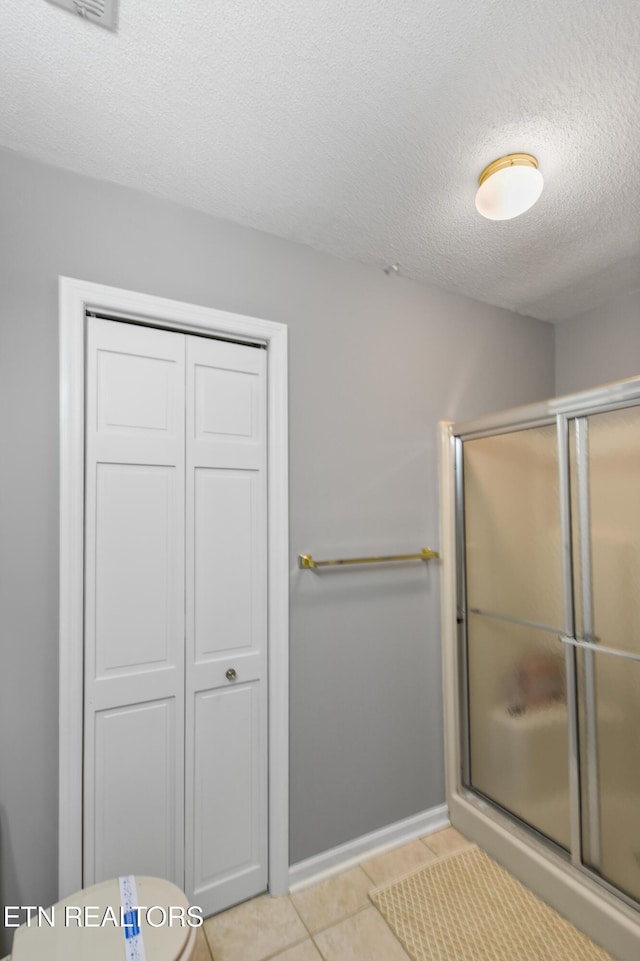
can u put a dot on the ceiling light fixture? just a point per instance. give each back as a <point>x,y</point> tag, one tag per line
<point>509,186</point>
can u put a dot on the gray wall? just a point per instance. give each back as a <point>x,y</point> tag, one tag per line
<point>600,346</point>
<point>375,362</point>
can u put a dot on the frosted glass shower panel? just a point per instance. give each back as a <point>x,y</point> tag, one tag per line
<point>518,723</point>
<point>617,712</point>
<point>614,494</point>
<point>512,525</point>
<point>613,458</point>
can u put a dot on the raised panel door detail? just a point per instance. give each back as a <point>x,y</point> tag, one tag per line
<point>136,567</point>
<point>135,790</point>
<point>226,624</point>
<point>226,403</point>
<point>224,541</point>
<point>134,392</point>
<point>227,783</point>
<point>134,603</point>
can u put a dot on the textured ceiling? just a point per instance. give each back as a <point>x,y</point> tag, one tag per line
<point>358,127</point>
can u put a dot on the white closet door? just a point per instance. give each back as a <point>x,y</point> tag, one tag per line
<point>226,606</point>
<point>134,627</point>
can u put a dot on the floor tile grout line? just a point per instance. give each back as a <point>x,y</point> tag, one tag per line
<point>272,954</point>
<point>276,954</point>
<point>345,917</point>
<point>302,920</point>
<point>458,845</point>
<point>348,917</point>
<point>341,918</point>
<point>293,944</point>
<point>426,844</point>
<point>393,934</point>
<point>355,914</point>
<point>317,946</point>
<point>206,941</point>
<point>362,867</point>
<point>409,870</point>
<point>278,951</point>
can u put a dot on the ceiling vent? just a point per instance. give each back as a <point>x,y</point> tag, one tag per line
<point>104,12</point>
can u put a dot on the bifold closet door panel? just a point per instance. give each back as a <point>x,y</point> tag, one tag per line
<point>226,623</point>
<point>134,603</point>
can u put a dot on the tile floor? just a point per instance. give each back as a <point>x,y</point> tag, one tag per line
<point>330,921</point>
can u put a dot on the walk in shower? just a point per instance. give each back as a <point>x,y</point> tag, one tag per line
<point>544,670</point>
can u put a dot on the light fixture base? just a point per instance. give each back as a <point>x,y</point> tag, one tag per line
<point>509,160</point>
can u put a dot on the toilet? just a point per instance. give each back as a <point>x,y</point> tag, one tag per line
<point>162,941</point>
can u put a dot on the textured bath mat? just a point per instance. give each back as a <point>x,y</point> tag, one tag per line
<point>465,907</point>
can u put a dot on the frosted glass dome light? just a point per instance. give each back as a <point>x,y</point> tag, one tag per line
<point>509,186</point>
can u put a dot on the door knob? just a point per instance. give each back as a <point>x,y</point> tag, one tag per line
<point>231,674</point>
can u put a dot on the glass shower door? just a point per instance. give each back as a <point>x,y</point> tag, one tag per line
<point>608,647</point>
<point>517,710</point>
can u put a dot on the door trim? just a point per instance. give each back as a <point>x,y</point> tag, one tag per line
<point>75,298</point>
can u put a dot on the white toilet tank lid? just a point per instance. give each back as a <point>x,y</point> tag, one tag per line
<point>163,941</point>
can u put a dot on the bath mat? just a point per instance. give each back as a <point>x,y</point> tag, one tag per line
<point>465,907</point>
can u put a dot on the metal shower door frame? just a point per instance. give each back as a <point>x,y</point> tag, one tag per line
<point>570,416</point>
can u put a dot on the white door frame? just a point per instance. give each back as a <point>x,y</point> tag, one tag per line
<point>75,298</point>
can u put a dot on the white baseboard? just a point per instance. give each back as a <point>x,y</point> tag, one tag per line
<point>345,856</point>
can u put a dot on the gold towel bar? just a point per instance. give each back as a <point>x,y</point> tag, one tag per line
<point>306,561</point>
